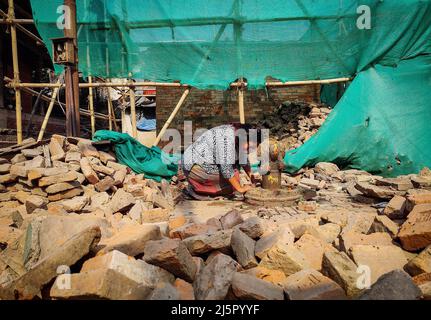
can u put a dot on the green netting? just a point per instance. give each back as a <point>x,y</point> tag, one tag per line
<point>210,43</point>
<point>382,122</point>
<point>381,125</point>
<point>152,162</point>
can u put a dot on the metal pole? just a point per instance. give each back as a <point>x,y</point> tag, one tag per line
<point>91,104</point>
<point>171,117</point>
<point>73,122</point>
<point>16,79</point>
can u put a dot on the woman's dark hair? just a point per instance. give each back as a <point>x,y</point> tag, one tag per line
<point>247,128</point>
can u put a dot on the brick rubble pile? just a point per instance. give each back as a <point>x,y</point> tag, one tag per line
<point>65,205</point>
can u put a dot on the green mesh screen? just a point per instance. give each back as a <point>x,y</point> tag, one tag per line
<point>210,43</point>
<point>382,122</point>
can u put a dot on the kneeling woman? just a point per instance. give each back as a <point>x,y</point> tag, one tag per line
<point>212,163</point>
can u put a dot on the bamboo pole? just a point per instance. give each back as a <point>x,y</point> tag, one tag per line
<point>91,104</point>
<point>20,21</point>
<point>164,84</point>
<point>48,114</point>
<point>109,110</point>
<point>172,116</point>
<point>112,113</point>
<point>99,85</point>
<point>48,99</point>
<point>241,104</point>
<point>306,82</point>
<point>133,112</point>
<point>21,28</point>
<point>16,79</point>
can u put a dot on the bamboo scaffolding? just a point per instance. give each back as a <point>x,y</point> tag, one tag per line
<point>15,83</point>
<point>17,21</point>
<point>241,105</point>
<point>48,113</point>
<point>174,84</point>
<point>91,105</point>
<point>97,85</point>
<point>109,109</point>
<point>97,115</point>
<point>172,116</point>
<point>19,26</point>
<point>16,79</point>
<point>133,110</point>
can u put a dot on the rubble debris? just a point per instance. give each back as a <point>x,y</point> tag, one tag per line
<point>379,259</point>
<point>312,285</point>
<point>243,247</point>
<point>286,258</point>
<point>211,284</point>
<point>145,248</point>
<point>293,123</point>
<point>395,285</point>
<point>204,243</point>
<point>420,264</point>
<point>247,287</point>
<point>31,283</point>
<point>415,233</point>
<point>171,255</point>
<point>340,268</point>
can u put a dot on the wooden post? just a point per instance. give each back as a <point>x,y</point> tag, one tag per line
<point>16,79</point>
<point>91,104</point>
<point>73,123</point>
<point>171,117</point>
<point>133,109</point>
<point>241,104</point>
<point>48,113</point>
<point>1,72</point>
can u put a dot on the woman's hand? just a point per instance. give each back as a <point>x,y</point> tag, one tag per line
<point>244,189</point>
<point>237,185</point>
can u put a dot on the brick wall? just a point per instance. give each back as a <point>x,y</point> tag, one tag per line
<point>209,108</point>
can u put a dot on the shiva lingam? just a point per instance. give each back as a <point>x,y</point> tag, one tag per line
<point>271,194</point>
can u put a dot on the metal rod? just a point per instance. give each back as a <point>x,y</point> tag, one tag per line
<point>171,117</point>
<point>11,11</point>
<point>48,114</point>
<point>91,104</point>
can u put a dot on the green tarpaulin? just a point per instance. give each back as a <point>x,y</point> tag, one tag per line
<point>152,162</point>
<point>382,122</point>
